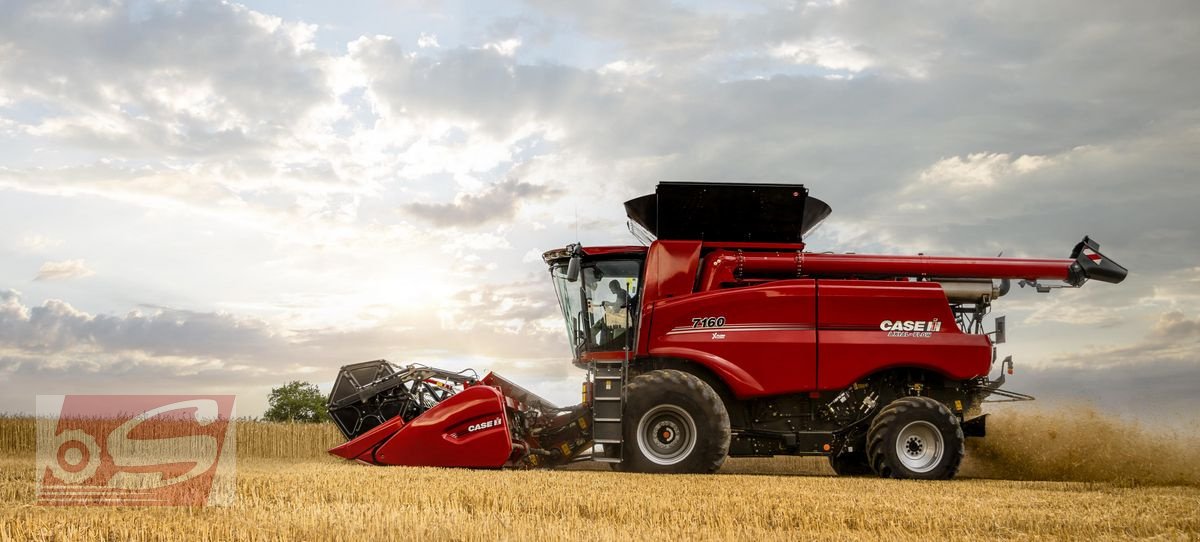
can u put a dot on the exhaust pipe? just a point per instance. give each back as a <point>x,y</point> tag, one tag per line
<point>972,290</point>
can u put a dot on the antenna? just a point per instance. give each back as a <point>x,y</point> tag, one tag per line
<point>577,223</point>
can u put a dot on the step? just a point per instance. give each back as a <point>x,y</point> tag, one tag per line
<point>607,431</point>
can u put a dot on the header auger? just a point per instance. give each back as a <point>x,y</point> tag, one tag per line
<point>724,337</point>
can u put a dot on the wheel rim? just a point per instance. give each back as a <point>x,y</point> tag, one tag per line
<point>919,446</point>
<point>666,434</point>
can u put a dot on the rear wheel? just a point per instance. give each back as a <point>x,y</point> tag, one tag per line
<point>674,423</point>
<point>915,437</point>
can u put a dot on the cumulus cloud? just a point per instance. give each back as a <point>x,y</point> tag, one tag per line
<point>425,41</point>
<point>1175,325</point>
<point>63,270</point>
<point>497,202</point>
<point>55,327</point>
<point>1174,337</point>
<point>187,79</point>
<point>980,170</point>
<point>831,53</point>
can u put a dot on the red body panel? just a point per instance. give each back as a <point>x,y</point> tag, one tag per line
<point>783,335</point>
<point>764,344</point>
<point>361,448</point>
<point>853,344</point>
<point>469,429</point>
<point>671,269</point>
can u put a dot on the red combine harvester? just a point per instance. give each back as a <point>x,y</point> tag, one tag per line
<point>723,337</point>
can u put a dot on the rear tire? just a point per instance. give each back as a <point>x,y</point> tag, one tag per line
<point>917,438</point>
<point>674,423</point>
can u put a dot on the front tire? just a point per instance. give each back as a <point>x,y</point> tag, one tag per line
<point>917,438</point>
<point>674,423</point>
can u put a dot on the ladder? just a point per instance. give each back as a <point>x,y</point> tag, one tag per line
<point>608,396</point>
<point>608,404</point>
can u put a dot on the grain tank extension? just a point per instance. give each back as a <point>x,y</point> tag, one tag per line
<point>721,336</point>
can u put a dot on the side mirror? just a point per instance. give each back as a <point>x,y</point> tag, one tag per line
<point>573,269</point>
<point>999,331</point>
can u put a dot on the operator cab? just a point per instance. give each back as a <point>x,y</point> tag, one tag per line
<point>599,293</point>
<point>599,287</point>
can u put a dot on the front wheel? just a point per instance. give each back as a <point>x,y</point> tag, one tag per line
<point>674,423</point>
<point>915,437</point>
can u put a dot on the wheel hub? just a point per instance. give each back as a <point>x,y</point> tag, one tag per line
<point>919,446</point>
<point>914,447</point>
<point>666,434</point>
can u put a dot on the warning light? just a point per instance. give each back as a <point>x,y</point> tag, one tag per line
<point>825,447</point>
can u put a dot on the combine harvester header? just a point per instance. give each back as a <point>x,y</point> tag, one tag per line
<point>724,337</point>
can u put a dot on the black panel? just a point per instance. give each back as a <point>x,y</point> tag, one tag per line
<point>730,212</point>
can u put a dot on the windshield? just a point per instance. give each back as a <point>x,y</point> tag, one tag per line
<point>600,306</point>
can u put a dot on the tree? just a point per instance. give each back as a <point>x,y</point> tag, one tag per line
<point>296,401</point>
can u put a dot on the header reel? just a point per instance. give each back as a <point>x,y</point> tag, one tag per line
<point>367,394</point>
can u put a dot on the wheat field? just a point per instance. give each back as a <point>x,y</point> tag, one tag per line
<point>1040,475</point>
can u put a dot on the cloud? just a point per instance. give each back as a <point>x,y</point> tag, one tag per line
<point>56,327</point>
<point>426,41</point>
<point>37,243</point>
<point>1176,326</point>
<point>1152,378</point>
<point>506,47</point>
<point>1174,337</point>
<point>55,348</point>
<point>980,170</point>
<point>831,53</point>
<point>184,79</point>
<point>658,27</point>
<point>1159,392</point>
<point>1074,307</point>
<point>497,202</point>
<point>63,270</point>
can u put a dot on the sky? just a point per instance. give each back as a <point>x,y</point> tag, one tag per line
<point>213,197</point>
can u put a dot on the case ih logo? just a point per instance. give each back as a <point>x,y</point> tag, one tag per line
<point>910,328</point>
<point>483,425</point>
<point>135,450</point>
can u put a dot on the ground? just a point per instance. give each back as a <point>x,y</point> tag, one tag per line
<point>1039,475</point>
<point>324,499</point>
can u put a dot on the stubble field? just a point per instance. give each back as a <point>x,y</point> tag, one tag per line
<point>1050,475</point>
